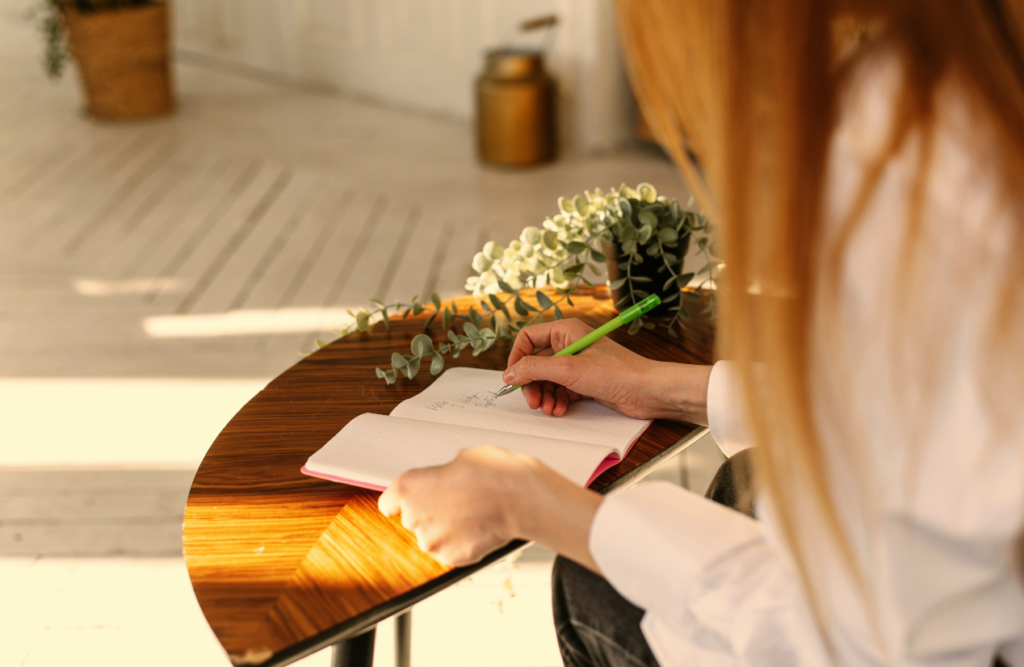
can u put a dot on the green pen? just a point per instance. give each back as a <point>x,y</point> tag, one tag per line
<point>625,317</point>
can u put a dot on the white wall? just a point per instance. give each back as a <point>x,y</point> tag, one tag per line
<point>422,54</point>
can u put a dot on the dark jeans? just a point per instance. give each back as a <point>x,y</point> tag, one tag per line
<point>596,626</point>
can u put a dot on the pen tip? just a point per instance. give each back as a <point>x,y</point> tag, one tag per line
<point>507,389</point>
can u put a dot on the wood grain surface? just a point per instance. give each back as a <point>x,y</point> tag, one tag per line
<point>282,563</point>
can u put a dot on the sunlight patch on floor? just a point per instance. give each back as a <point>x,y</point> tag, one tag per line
<point>115,422</point>
<point>92,287</point>
<point>246,322</point>
<point>122,612</point>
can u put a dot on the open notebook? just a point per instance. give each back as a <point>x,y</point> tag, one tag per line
<point>459,410</point>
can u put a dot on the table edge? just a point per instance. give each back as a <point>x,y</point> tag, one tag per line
<point>370,618</point>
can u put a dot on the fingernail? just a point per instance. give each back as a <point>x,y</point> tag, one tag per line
<point>509,376</point>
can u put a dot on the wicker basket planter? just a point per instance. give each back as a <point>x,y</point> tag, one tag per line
<point>123,60</point>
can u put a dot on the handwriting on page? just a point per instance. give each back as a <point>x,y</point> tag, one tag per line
<point>486,399</point>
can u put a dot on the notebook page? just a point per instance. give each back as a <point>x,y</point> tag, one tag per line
<point>373,449</point>
<point>466,397</point>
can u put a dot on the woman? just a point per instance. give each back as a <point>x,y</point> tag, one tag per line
<point>864,161</point>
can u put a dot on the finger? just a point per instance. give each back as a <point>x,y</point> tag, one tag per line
<point>389,502</point>
<point>561,401</point>
<point>556,335</point>
<point>533,394</point>
<point>560,370</point>
<point>548,402</point>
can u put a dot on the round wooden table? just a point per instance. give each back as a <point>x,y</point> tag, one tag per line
<point>284,564</point>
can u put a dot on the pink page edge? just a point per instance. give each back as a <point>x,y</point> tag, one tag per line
<point>342,480</point>
<point>613,458</point>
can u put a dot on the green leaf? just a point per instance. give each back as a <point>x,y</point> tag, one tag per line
<point>435,298</point>
<point>412,366</point>
<point>377,303</point>
<point>380,373</point>
<point>558,313</point>
<point>694,296</point>
<point>363,320</point>
<point>520,307</point>
<point>647,218</point>
<point>471,330</point>
<point>576,248</point>
<point>498,305</point>
<point>389,376</point>
<point>598,256</point>
<point>430,320</point>
<point>671,297</point>
<point>417,309</point>
<point>436,364</point>
<point>618,283</point>
<point>543,300</point>
<point>641,279</point>
<point>647,192</point>
<point>422,345</point>
<point>447,318</point>
<point>475,316</point>
<point>684,279</point>
<point>486,340</point>
<point>645,235</point>
<point>385,318</point>
<point>635,326</point>
<point>684,313</point>
<point>668,235</point>
<point>505,287</point>
<point>565,205</point>
<point>549,239</point>
<point>624,301</point>
<point>398,361</point>
<point>579,204</point>
<point>672,332</point>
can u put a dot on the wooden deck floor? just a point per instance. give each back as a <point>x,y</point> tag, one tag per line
<point>210,245</point>
<point>235,224</point>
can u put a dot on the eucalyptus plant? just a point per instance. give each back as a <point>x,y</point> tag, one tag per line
<point>48,15</point>
<point>642,226</point>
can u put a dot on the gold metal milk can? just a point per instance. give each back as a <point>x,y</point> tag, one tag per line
<point>515,109</point>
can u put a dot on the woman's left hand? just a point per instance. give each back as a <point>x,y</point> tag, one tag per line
<point>466,509</point>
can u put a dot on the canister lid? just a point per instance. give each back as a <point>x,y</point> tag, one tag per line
<point>514,63</point>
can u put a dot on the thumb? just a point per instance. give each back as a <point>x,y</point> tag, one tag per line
<point>388,503</point>
<point>560,370</point>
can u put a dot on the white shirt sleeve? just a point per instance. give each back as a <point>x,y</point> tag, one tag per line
<point>714,592</point>
<point>725,409</point>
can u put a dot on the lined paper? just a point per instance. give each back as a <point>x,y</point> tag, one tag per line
<point>466,397</point>
<point>374,449</point>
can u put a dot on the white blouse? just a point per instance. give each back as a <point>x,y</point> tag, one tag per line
<point>935,532</point>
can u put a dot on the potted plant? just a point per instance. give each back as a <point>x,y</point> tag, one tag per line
<point>641,237</point>
<point>122,50</point>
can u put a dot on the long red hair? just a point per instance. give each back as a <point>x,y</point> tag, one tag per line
<point>752,89</point>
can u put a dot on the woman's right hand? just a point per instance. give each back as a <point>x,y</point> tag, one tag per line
<point>606,372</point>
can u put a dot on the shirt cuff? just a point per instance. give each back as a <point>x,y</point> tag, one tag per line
<point>725,409</point>
<point>653,541</point>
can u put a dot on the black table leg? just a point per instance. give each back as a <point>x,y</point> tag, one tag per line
<point>354,652</point>
<point>403,639</point>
